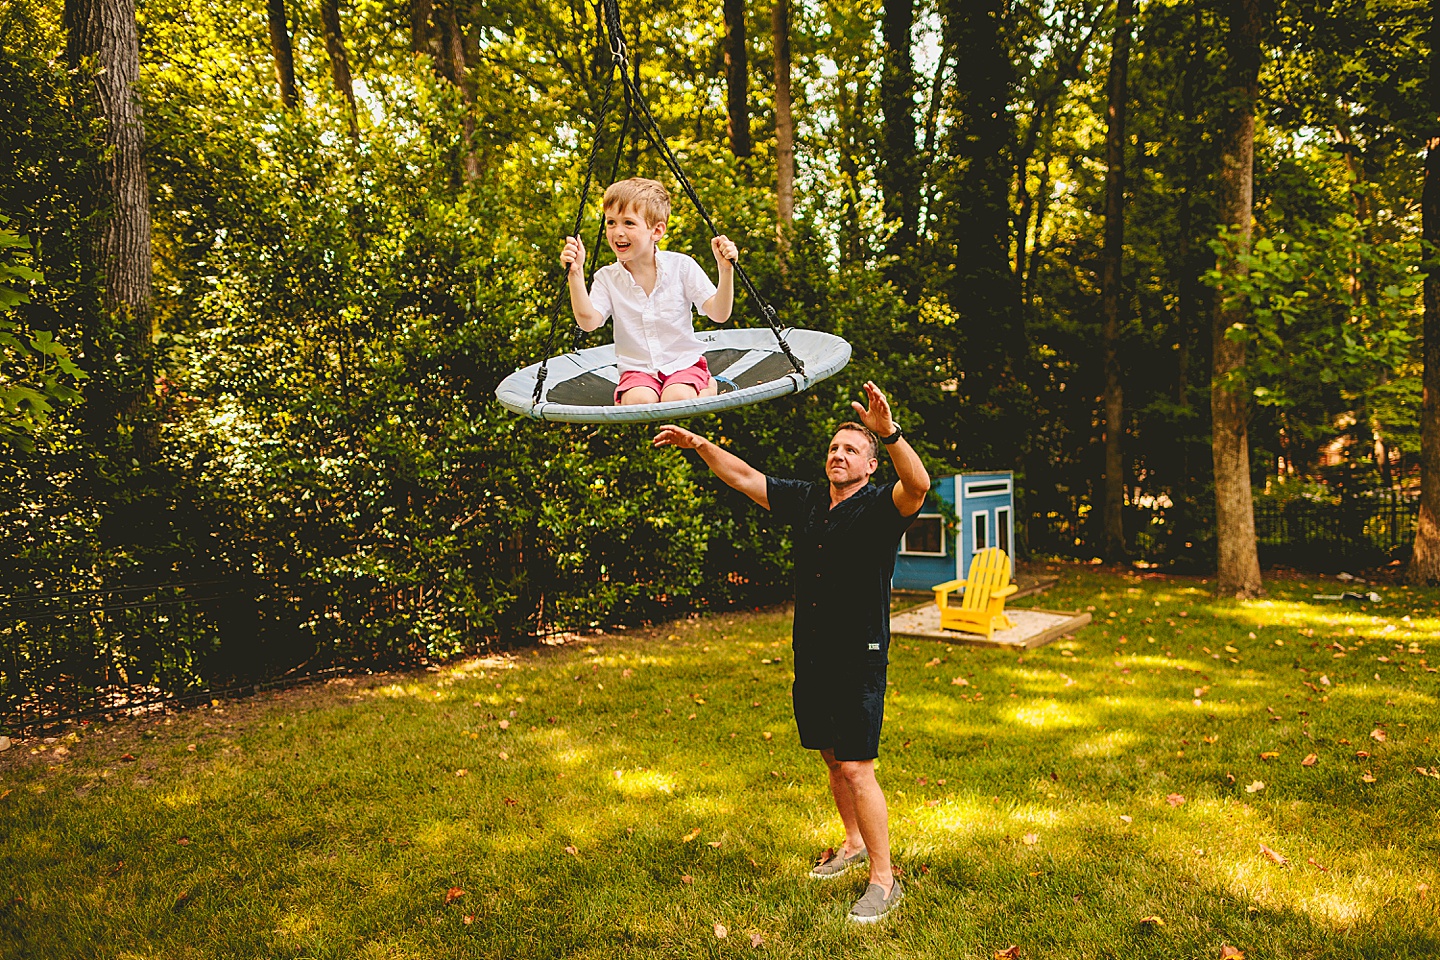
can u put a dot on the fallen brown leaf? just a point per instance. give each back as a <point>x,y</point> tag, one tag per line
<point>570,849</point>
<point>690,836</point>
<point>1011,952</point>
<point>1030,839</point>
<point>1316,864</point>
<point>453,894</point>
<point>1126,818</point>
<point>720,931</point>
<point>713,843</point>
<point>1368,777</point>
<point>1377,735</point>
<point>1274,855</point>
<point>461,772</point>
<point>1269,754</point>
<point>756,940</point>
<point>469,919</point>
<point>1362,754</point>
<point>1310,760</point>
<point>511,801</point>
<point>127,758</point>
<point>1255,787</point>
<point>1228,952</point>
<point>1175,799</point>
<point>1157,921</point>
<point>686,878</point>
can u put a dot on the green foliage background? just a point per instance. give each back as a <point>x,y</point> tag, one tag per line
<point>333,315</point>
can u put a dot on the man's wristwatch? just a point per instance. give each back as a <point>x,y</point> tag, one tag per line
<point>892,438</point>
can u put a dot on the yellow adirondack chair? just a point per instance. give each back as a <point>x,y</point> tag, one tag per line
<point>982,605</point>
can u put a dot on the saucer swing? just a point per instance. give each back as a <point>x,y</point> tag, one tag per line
<point>755,364</point>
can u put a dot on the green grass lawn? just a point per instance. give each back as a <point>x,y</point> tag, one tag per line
<point>623,795</point>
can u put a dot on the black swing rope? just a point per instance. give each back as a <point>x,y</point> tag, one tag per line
<point>651,129</point>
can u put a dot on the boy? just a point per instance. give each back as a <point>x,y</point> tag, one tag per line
<point>650,293</point>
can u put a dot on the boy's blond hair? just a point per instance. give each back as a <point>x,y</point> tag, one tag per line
<point>649,197</point>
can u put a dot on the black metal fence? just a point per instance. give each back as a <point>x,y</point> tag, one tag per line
<point>110,648</point>
<point>1374,526</point>
<point>1364,529</point>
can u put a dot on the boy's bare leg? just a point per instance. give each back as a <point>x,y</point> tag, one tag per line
<point>638,395</point>
<point>678,391</point>
<point>711,390</point>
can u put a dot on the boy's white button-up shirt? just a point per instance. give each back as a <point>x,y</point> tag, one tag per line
<point>654,333</point>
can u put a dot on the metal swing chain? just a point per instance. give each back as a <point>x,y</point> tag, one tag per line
<point>616,59</point>
<point>619,58</point>
<point>652,130</point>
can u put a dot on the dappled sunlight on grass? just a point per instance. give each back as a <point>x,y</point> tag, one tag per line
<point>1048,714</point>
<point>640,784</point>
<point>1110,744</point>
<point>337,829</point>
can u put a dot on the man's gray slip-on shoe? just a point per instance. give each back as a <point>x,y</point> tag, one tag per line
<point>874,905</point>
<point>834,862</point>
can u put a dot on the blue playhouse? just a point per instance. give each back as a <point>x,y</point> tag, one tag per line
<point>933,551</point>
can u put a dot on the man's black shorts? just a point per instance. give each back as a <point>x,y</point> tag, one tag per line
<point>840,708</point>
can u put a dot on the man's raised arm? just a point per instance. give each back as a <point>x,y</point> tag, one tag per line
<point>913,481</point>
<point>728,467</point>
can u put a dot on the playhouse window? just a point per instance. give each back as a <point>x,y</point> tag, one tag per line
<point>979,530</point>
<point>1002,529</point>
<point>925,536</point>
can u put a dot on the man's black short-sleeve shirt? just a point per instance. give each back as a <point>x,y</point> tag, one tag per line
<point>844,561</point>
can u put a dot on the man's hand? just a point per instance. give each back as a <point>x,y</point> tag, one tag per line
<point>726,253</point>
<point>673,436</point>
<point>876,414</point>
<point>573,254</point>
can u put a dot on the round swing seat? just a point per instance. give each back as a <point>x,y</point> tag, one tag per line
<point>580,386</point>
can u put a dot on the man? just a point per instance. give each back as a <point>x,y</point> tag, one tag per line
<point>846,532</point>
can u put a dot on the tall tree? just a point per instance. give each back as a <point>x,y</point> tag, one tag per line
<point>982,353</point>
<point>103,47</point>
<point>420,29</point>
<point>784,124</point>
<point>1112,286</point>
<point>1239,561</point>
<point>898,167</point>
<point>1425,564</point>
<point>737,98</point>
<point>452,38</point>
<point>339,60</point>
<point>282,52</point>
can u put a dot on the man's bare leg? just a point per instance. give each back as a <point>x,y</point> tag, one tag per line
<point>867,807</point>
<point>845,804</point>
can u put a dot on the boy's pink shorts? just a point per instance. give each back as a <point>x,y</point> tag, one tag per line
<point>697,375</point>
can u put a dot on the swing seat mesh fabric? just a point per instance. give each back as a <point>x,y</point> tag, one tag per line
<point>580,386</point>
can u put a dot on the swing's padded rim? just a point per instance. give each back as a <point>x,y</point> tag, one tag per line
<point>823,355</point>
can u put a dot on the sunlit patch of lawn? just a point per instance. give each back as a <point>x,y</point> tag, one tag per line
<point>1053,799</point>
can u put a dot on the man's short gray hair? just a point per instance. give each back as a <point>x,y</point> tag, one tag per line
<point>869,435</point>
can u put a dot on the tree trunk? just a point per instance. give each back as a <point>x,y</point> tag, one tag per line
<point>1239,562</point>
<point>1425,564</point>
<point>737,101</point>
<point>420,29</point>
<point>897,170</point>
<point>453,40</point>
<point>1111,288</point>
<point>339,61</point>
<point>281,50</point>
<point>103,47</point>
<point>784,127</point>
